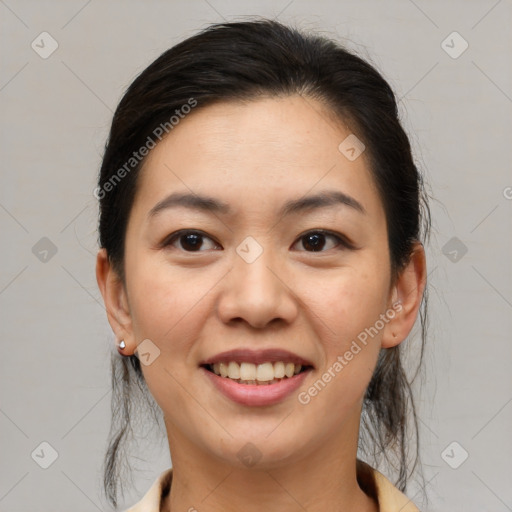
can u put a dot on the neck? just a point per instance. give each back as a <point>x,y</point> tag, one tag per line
<point>323,479</point>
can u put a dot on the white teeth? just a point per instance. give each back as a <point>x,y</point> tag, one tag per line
<point>279,370</point>
<point>247,371</point>
<point>223,368</point>
<point>250,373</point>
<point>265,372</point>
<point>233,370</point>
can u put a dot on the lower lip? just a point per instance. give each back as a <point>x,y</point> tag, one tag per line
<point>256,394</point>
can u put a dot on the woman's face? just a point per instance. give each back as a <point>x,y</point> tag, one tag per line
<point>258,277</point>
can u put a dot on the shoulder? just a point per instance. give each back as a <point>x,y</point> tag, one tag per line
<point>375,484</point>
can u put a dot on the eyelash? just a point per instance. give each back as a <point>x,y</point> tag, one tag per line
<point>342,241</point>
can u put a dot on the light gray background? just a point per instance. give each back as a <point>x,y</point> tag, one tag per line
<point>55,337</point>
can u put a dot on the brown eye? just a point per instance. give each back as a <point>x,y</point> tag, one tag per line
<point>315,241</point>
<point>190,241</point>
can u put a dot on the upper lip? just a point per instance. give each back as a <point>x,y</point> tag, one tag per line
<point>245,355</point>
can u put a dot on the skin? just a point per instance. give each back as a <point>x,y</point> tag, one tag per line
<point>191,304</point>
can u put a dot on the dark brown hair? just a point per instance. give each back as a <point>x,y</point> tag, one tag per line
<point>244,61</point>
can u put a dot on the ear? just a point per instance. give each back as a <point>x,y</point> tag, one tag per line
<point>116,301</point>
<point>406,295</point>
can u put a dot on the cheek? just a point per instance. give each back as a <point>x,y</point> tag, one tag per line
<point>164,304</point>
<point>348,304</point>
<point>344,311</point>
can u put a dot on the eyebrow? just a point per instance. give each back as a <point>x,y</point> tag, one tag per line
<point>209,204</point>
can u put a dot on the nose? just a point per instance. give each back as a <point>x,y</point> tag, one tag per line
<point>256,293</point>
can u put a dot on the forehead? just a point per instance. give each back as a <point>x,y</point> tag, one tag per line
<point>272,149</point>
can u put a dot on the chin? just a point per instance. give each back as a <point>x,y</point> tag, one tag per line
<point>259,452</point>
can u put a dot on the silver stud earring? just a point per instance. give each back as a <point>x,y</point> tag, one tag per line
<point>122,345</point>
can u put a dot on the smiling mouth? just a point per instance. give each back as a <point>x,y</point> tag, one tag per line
<point>256,374</point>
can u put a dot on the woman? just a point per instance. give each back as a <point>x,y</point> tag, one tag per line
<point>261,226</point>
